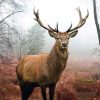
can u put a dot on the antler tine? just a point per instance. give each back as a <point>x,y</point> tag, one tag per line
<point>36,15</point>
<point>52,28</point>
<point>57,27</point>
<point>55,30</point>
<point>69,28</point>
<point>81,21</point>
<point>79,11</point>
<point>87,14</point>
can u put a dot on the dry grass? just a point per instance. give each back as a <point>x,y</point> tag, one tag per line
<point>79,81</point>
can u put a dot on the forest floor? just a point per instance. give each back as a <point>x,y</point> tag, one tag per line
<point>79,81</point>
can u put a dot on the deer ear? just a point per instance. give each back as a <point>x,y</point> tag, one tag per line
<point>52,34</point>
<point>73,33</point>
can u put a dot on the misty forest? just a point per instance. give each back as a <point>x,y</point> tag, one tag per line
<point>38,27</point>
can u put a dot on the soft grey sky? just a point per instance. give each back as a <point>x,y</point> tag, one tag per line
<point>64,12</point>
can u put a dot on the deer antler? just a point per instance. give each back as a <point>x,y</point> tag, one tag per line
<point>37,18</point>
<point>56,29</point>
<point>81,21</point>
<point>49,28</point>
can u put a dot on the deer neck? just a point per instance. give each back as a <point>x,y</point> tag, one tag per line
<point>57,59</point>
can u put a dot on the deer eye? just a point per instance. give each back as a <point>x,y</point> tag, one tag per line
<point>68,37</point>
<point>57,38</point>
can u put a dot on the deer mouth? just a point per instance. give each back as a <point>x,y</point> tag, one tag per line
<point>64,47</point>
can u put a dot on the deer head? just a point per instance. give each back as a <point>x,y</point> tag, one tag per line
<point>62,38</point>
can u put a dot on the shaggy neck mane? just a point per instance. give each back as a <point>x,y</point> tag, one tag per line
<point>57,59</point>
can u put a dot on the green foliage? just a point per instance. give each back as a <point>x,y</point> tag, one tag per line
<point>35,41</point>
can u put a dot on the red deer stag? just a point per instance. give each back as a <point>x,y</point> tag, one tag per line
<point>44,70</point>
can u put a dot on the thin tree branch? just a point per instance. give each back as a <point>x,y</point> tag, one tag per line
<point>9,16</point>
<point>13,29</point>
<point>1,1</point>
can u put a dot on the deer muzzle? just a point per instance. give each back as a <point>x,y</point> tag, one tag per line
<point>64,45</point>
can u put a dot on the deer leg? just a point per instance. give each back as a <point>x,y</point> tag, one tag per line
<point>51,91</point>
<point>43,90</point>
<point>26,90</point>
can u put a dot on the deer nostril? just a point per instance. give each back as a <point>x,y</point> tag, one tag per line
<point>64,44</point>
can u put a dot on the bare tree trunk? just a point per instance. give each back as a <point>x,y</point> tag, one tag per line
<point>96,20</point>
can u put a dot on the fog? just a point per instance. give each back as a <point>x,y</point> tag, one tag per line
<point>64,12</point>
